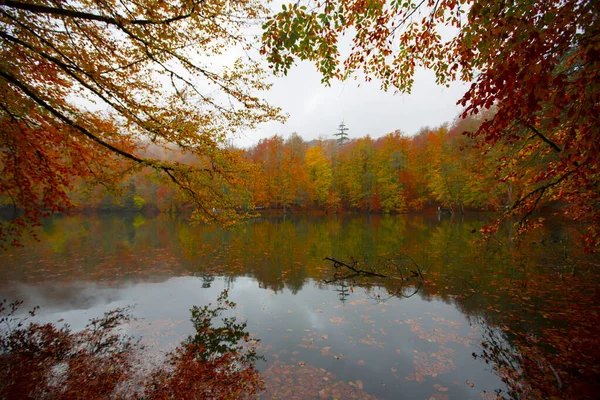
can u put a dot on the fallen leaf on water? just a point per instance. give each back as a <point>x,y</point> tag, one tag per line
<point>489,396</point>
<point>470,383</point>
<point>440,388</point>
<point>439,396</point>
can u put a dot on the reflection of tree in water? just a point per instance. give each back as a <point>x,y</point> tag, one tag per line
<point>343,291</point>
<point>526,370</point>
<point>46,361</point>
<point>214,341</point>
<point>539,312</point>
<point>214,362</point>
<point>522,287</point>
<point>207,281</point>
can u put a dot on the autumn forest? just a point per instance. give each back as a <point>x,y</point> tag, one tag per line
<point>145,253</point>
<point>395,173</point>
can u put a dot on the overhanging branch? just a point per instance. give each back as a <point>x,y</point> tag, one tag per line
<point>537,133</point>
<point>56,113</point>
<point>119,21</point>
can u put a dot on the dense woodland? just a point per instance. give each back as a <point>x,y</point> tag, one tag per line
<point>395,173</point>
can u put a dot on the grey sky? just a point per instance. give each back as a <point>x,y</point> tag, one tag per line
<point>315,110</point>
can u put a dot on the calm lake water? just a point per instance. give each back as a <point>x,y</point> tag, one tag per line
<point>408,337</point>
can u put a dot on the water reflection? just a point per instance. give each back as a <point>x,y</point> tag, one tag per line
<point>362,340</point>
<point>413,335</point>
<point>279,253</point>
<point>52,361</point>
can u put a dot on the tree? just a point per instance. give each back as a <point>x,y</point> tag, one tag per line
<point>85,84</point>
<point>342,134</point>
<point>357,174</point>
<point>447,176</point>
<point>536,62</point>
<point>417,191</point>
<point>294,168</point>
<point>320,175</point>
<point>390,161</point>
<point>272,183</point>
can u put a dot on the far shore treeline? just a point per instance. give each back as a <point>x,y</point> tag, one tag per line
<point>396,173</point>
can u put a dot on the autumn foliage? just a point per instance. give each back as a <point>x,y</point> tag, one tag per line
<point>87,85</point>
<point>533,69</point>
<point>392,174</point>
<point>534,62</point>
<point>44,361</point>
<point>437,167</point>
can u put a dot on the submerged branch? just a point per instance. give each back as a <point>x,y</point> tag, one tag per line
<point>361,272</point>
<point>337,264</point>
<point>355,272</point>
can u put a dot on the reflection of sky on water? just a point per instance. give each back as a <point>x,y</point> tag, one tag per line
<point>86,265</point>
<point>359,339</point>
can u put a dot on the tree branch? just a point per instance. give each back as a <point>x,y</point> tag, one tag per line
<point>406,18</point>
<point>165,168</point>
<point>68,121</point>
<point>540,193</point>
<point>541,136</point>
<point>338,264</point>
<point>119,21</point>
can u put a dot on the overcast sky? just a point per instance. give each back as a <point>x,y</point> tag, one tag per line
<point>316,110</point>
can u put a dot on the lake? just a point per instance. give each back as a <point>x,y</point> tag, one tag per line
<point>443,323</point>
